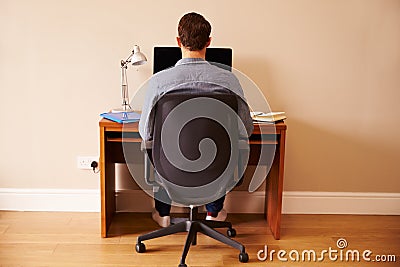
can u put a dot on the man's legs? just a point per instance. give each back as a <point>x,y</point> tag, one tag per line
<point>215,211</point>
<point>162,201</point>
<point>215,206</point>
<point>163,208</point>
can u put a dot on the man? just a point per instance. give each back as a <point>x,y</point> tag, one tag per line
<point>195,72</point>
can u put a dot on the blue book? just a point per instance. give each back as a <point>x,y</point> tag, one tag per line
<point>122,117</point>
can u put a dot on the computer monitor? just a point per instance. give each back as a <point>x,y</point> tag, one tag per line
<point>166,57</point>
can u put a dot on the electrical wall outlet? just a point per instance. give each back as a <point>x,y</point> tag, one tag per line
<point>84,163</point>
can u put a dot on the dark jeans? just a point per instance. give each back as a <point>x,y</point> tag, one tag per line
<point>165,208</point>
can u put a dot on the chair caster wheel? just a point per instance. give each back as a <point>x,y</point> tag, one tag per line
<point>231,232</point>
<point>140,248</point>
<point>182,265</point>
<point>243,257</point>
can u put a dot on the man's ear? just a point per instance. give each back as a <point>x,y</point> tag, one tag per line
<point>209,42</point>
<point>178,40</point>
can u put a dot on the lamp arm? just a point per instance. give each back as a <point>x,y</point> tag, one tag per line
<point>124,63</point>
<point>140,59</point>
<point>124,82</point>
<point>124,86</point>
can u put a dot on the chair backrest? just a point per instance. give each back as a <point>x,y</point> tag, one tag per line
<point>195,145</point>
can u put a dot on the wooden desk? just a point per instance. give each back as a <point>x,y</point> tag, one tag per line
<point>111,153</point>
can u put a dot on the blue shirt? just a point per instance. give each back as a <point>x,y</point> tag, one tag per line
<point>198,75</point>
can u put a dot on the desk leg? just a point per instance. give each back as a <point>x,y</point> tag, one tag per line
<point>107,185</point>
<point>274,188</point>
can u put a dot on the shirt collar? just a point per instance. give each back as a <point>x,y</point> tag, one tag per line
<point>190,60</point>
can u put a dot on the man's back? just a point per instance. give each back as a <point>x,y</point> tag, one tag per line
<point>191,75</point>
<point>195,70</point>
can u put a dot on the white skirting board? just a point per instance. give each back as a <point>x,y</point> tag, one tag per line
<point>294,202</point>
<point>84,200</point>
<point>304,202</point>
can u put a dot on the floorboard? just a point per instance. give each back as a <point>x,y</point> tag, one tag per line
<point>73,239</point>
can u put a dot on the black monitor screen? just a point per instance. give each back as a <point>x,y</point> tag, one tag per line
<point>165,57</point>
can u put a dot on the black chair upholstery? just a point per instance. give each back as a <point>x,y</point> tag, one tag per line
<point>189,187</point>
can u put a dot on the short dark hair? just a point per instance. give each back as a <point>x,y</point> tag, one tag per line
<point>194,31</point>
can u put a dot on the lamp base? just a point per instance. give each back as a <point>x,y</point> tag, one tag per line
<point>125,107</point>
<point>119,110</point>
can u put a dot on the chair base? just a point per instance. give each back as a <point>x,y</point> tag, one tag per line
<point>193,227</point>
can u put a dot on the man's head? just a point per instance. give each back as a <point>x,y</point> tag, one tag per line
<point>194,32</point>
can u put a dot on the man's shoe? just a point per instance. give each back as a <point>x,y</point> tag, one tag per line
<point>219,216</point>
<point>163,221</point>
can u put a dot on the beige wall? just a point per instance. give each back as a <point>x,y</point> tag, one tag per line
<point>333,66</point>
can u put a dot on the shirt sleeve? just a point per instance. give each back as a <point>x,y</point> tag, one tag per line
<point>244,114</point>
<point>147,118</point>
<point>243,107</point>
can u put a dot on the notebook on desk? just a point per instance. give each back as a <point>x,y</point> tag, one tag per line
<point>122,117</point>
<point>268,117</point>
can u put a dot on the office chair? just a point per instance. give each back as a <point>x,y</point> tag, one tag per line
<point>190,187</point>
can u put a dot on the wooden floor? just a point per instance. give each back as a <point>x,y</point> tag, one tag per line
<point>73,239</point>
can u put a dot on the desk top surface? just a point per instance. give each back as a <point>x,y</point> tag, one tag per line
<point>133,127</point>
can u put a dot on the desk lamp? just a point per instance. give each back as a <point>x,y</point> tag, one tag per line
<point>136,58</point>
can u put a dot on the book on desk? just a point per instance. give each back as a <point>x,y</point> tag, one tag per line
<point>274,117</point>
<point>122,117</point>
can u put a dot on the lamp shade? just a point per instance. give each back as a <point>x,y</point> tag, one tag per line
<point>138,58</point>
